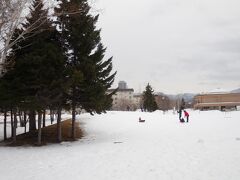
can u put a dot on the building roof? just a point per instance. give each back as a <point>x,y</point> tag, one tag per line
<point>217,93</point>
<point>121,90</point>
<point>213,104</point>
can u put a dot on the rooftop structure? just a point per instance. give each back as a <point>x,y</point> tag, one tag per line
<point>122,85</point>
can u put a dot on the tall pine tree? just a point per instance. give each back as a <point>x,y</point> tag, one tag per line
<point>37,75</point>
<point>89,74</point>
<point>149,103</point>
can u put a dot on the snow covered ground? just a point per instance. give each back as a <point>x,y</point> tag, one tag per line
<point>118,147</point>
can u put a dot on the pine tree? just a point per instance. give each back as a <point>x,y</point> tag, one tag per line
<point>89,75</point>
<point>149,103</point>
<point>37,75</point>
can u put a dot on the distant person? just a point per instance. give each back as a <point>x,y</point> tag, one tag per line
<point>180,113</point>
<point>186,114</point>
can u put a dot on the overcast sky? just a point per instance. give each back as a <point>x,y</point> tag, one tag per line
<point>175,45</point>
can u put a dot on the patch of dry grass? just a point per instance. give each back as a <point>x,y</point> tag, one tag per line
<point>49,135</point>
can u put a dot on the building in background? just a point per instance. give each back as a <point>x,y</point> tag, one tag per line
<point>162,101</point>
<point>137,100</point>
<point>217,100</point>
<point>126,100</point>
<point>123,99</point>
<point>122,85</point>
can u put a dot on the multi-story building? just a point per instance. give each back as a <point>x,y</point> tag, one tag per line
<point>123,98</point>
<point>138,100</point>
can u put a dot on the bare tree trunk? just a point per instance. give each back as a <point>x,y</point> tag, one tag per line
<point>39,128</point>
<point>44,118</point>
<point>32,121</point>
<point>15,127</point>
<point>20,118</point>
<point>59,128</point>
<point>5,125</point>
<point>73,121</point>
<point>16,120</point>
<point>12,123</point>
<point>51,116</point>
<point>25,121</point>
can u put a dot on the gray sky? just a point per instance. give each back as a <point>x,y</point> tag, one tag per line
<point>175,45</point>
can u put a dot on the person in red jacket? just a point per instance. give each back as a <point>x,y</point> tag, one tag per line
<point>186,114</point>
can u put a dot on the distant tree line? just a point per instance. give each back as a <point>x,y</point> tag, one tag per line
<point>57,65</point>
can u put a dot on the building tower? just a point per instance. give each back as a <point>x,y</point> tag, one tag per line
<point>122,85</point>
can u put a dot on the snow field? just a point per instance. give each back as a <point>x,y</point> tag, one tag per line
<point>117,147</point>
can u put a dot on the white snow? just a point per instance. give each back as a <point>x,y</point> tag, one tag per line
<point>117,147</point>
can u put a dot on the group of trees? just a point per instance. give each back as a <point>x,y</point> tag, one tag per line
<point>57,64</point>
<point>152,102</point>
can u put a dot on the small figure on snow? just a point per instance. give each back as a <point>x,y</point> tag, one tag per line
<point>182,120</point>
<point>180,112</point>
<point>186,114</point>
<point>141,120</point>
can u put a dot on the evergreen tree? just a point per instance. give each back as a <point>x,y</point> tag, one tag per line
<point>37,75</point>
<point>149,103</point>
<point>89,75</point>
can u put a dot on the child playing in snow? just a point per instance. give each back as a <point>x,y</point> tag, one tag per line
<point>186,114</point>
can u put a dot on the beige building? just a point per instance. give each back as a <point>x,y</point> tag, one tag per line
<point>137,100</point>
<point>220,101</point>
<point>123,99</point>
